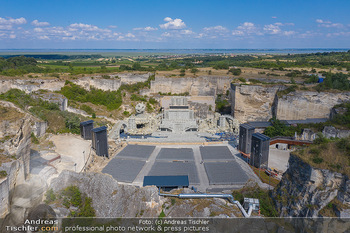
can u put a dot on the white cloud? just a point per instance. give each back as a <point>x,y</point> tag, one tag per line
<point>43,37</point>
<point>40,24</point>
<point>218,28</point>
<point>247,28</point>
<point>166,34</point>
<point>38,30</point>
<point>130,35</point>
<point>12,21</point>
<point>5,27</point>
<point>112,26</point>
<point>146,29</point>
<point>328,24</point>
<point>12,36</point>
<point>275,29</point>
<point>321,21</point>
<point>288,33</point>
<point>167,19</point>
<point>186,32</point>
<point>172,24</point>
<point>272,29</point>
<point>87,27</point>
<point>332,25</point>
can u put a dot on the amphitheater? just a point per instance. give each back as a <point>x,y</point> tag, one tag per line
<point>176,143</point>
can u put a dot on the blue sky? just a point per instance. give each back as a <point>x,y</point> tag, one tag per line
<point>112,24</point>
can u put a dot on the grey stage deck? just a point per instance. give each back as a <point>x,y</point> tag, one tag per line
<point>176,154</point>
<point>215,153</point>
<point>225,173</point>
<point>124,170</point>
<point>136,152</point>
<point>161,168</point>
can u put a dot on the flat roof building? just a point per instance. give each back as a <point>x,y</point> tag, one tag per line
<point>166,183</point>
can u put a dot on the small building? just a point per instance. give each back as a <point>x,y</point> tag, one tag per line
<point>99,141</point>
<point>245,136</point>
<point>85,129</point>
<point>254,203</point>
<point>259,150</point>
<point>166,183</point>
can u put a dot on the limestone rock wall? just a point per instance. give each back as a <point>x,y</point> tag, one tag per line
<point>111,84</point>
<point>129,78</point>
<point>99,83</point>
<point>31,85</point>
<point>17,170</point>
<point>199,86</point>
<point>301,105</point>
<point>260,103</point>
<point>111,199</point>
<point>253,102</point>
<point>305,190</point>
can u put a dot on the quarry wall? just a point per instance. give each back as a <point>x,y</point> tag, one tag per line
<point>260,103</point>
<point>301,105</point>
<point>305,190</point>
<point>253,102</point>
<point>111,84</point>
<point>18,145</point>
<point>198,86</point>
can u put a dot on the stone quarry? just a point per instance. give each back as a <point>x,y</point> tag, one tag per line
<point>260,103</point>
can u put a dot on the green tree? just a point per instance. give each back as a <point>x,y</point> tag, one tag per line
<point>194,70</point>
<point>235,71</point>
<point>182,72</point>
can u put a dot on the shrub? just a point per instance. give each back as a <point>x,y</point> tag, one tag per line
<point>235,71</point>
<point>87,109</point>
<point>3,174</point>
<point>111,99</point>
<point>243,80</point>
<point>34,139</point>
<point>317,160</point>
<point>50,196</point>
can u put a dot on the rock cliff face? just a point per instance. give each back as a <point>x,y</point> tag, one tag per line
<point>253,102</point>
<point>111,199</point>
<point>260,103</point>
<point>29,86</point>
<point>99,83</point>
<point>305,190</point>
<point>301,105</point>
<point>199,86</point>
<point>111,84</point>
<point>16,144</point>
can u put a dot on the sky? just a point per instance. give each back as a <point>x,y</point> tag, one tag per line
<point>175,24</point>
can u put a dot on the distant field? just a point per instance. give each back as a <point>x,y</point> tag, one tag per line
<point>148,52</point>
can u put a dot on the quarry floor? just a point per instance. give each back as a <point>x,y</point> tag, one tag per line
<point>210,168</point>
<point>69,153</point>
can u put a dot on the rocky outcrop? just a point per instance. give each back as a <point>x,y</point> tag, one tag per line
<point>107,84</point>
<point>31,85</point>
<point>111,199</point>
<point>111,84</point>
<point>260,103</point>
<point>301,105</point>
<point>16,146</point>
<point>253,102</point>
<point>305,190</point>
<point>198,86</point>
<point>332,132</point>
